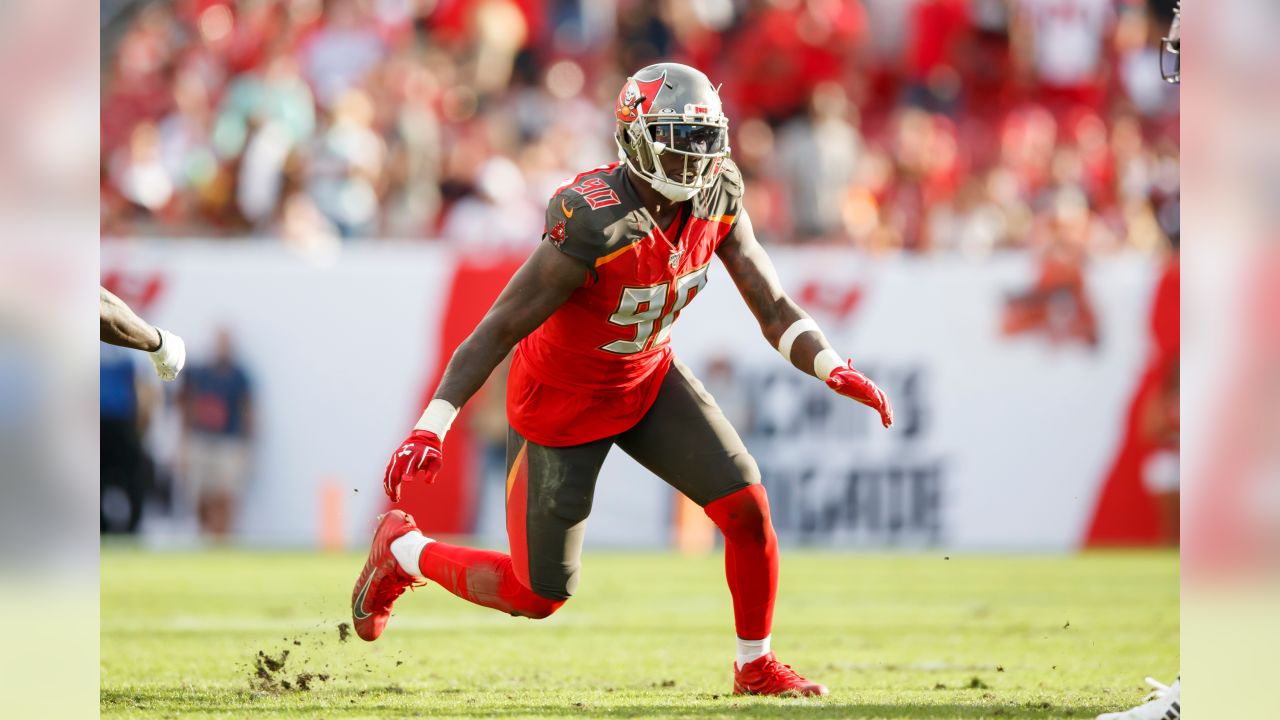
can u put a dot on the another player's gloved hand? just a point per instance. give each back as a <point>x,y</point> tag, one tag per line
<point>418,458</point>
<point>170,356</point>
<point>853,384</point>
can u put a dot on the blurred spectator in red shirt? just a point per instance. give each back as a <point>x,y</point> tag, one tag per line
<point>785,48</point>
<point>935,63</point>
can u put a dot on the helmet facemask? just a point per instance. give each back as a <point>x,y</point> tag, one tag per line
<point>1171,49</point>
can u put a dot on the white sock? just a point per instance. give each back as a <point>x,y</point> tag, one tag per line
<point>749,650</point>
<point>407,549</point>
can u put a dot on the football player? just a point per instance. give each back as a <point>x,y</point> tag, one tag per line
<point>626,247</point>
<point>120,325</point>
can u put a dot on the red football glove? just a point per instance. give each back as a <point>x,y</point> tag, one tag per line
<point>418,458</point>
<point>853,384</point>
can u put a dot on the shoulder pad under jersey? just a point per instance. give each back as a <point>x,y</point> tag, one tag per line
<point>723,200</point>
<point>586,219</point>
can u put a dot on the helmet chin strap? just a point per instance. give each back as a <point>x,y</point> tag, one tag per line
<point>668,188</point>
<point>674,192</point>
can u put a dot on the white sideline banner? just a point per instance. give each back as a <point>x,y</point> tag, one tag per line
<point>1000,443</point>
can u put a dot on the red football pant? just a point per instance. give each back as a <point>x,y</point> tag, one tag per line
<point>483,577</point>
<point>750,558</point>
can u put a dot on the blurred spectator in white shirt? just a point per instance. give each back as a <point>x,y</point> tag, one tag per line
<point>342,52</point>
<point>346,165</point>
<point>819,156</point>
<point>1067,38</point>
<point>498,215</point>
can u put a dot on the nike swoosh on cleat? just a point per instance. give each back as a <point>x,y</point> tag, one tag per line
<point>357,610</point>
<point>567,212</point>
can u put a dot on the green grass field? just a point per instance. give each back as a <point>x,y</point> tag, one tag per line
<point>910,636</point>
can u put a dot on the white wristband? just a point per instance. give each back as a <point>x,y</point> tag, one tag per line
<point>437,417</point>
<point>825,362</point>
<point>797,329</point>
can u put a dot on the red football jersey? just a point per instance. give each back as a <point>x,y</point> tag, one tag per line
<point>594,367</point>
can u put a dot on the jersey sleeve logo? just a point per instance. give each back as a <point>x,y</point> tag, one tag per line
<point>565,209</point>
<point>558,234</point>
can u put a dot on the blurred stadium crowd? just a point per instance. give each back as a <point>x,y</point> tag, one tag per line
<point>892,125</point>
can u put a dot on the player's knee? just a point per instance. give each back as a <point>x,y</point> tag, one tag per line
<point>540,608</point>
<point>743,516</point>
<point>723,476</point>
<point>538,600</point>
<point>747,471</point>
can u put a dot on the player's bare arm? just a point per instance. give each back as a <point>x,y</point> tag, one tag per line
<point>120,325</point>
<point>786,326</point>
<point>541,285</point>
<point>752,271</point>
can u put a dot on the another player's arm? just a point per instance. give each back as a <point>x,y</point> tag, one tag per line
<point>538,288</point>
<point>786,326</point>
<point>120,325</point>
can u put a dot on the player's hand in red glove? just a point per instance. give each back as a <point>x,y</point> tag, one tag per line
<point>418,458</point>
<point>853,384</point>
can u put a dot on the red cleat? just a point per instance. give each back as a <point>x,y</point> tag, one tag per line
<point>766,676</point>
<point>382,580</point>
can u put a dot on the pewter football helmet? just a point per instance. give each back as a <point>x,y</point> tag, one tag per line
<point>672,108</point>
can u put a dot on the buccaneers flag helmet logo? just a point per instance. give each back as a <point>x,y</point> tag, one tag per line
<point>557,234</point>
<point>637,97</point>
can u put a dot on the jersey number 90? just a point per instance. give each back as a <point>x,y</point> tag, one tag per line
<point>646,309</point>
